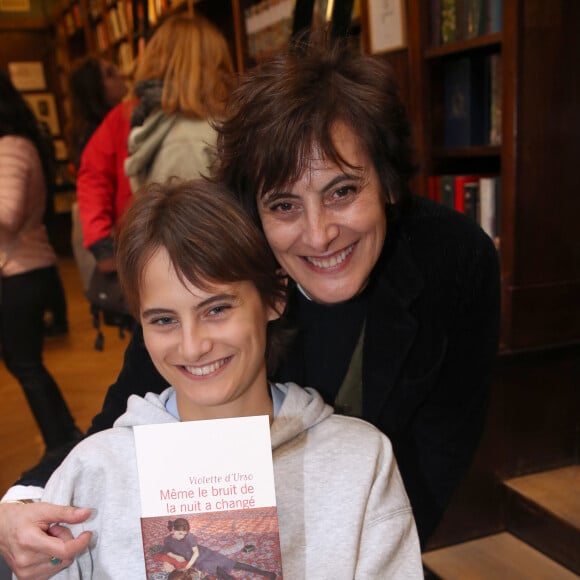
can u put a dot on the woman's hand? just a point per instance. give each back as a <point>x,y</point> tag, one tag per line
<point>29,541</point>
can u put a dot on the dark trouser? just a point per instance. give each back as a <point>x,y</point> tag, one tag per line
<point>56,303</point>
<point>23,300</point>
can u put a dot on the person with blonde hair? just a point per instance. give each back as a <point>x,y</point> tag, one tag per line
<point>182,83</point>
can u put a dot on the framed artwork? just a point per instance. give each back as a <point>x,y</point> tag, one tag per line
<point>27,76</point>
<point>387,25</point>
<point>43,106</point>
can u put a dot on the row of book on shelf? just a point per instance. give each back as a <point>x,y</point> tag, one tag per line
<point>456,20</point>
<point>477,196</point>
<point>269,23</point>
<point>473,91</point>
<point>73,19</point>
<point>118,20</point>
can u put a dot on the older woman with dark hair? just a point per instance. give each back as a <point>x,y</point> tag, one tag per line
<point>395,298</point>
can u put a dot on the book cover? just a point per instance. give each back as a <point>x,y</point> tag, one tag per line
<point>448,21</point>
<point>474,18</point>
<point>494,16</point>
<point>495,108</point>
<point>465,195</point>
<point>489,207</point>
<point>467,109</point>
<point>471,199</point>
<point>447,196</point>
<point>208,498</point>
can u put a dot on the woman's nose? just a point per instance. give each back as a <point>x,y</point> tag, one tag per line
<point>195,342</point>
<point>320,230</point>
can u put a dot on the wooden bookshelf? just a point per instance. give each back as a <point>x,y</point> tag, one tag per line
<point>531,425</point>
<point>540,264</point>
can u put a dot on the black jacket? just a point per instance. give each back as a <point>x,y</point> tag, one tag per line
<point>431,337</point>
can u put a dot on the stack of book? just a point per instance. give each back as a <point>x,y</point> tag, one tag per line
<point>477,196</point>
<point>457,20</point>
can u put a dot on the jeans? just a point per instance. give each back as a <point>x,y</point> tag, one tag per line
<point>23,300</point>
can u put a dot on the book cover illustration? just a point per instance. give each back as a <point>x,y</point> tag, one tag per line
<point>208,504</point>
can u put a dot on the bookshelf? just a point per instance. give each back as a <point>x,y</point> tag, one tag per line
<point>116,29</point>
<point>530,425</point>
<point>540,263</point>
<point>540,268</point>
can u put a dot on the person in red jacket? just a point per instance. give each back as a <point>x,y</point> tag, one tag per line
<point>96,88</point>
<point>103,190</point>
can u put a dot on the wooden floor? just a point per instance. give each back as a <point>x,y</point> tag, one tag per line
<point>82,373</point>
<point>501,556</point>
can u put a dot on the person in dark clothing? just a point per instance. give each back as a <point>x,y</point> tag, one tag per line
<point>56,315</point>
<point>395,298</point>
<point>27,266</point>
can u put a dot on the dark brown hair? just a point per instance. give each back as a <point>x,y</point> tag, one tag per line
<point>209,239</point>
<point>179,524</point>
<point>88,103</point>
<point>288,106</point>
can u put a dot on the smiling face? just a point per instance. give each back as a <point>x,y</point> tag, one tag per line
<point>209,345</point>
<point>327,229</point>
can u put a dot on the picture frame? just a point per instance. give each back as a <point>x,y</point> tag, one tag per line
<point>43,106</point>
<point>27,76</point>
<point>387,25</point>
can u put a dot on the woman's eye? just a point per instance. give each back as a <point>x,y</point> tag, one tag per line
<point>345,191</point>
<point>219,310</point>
<point>163,321</point>
<point>282,206</point>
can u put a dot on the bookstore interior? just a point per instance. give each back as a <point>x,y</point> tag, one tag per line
<point>492,88</point>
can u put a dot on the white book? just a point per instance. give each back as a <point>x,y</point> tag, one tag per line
<point>488,217</point>
<point>217,476</point>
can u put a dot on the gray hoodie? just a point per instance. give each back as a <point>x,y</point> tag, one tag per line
<point>168,146</point>
<point>342,509</point>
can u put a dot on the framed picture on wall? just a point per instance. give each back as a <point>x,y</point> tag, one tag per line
<point>387,25</point>
<point>43,106</point>
<point>27,76</point>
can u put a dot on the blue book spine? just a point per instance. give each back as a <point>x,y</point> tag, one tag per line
<point>467,102</point>
<point>494,16</point>
<point>457,103</point>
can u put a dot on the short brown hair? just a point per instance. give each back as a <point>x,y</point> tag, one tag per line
<point>290,104</point>
<point>209,239</point>
<point>192,58</point>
